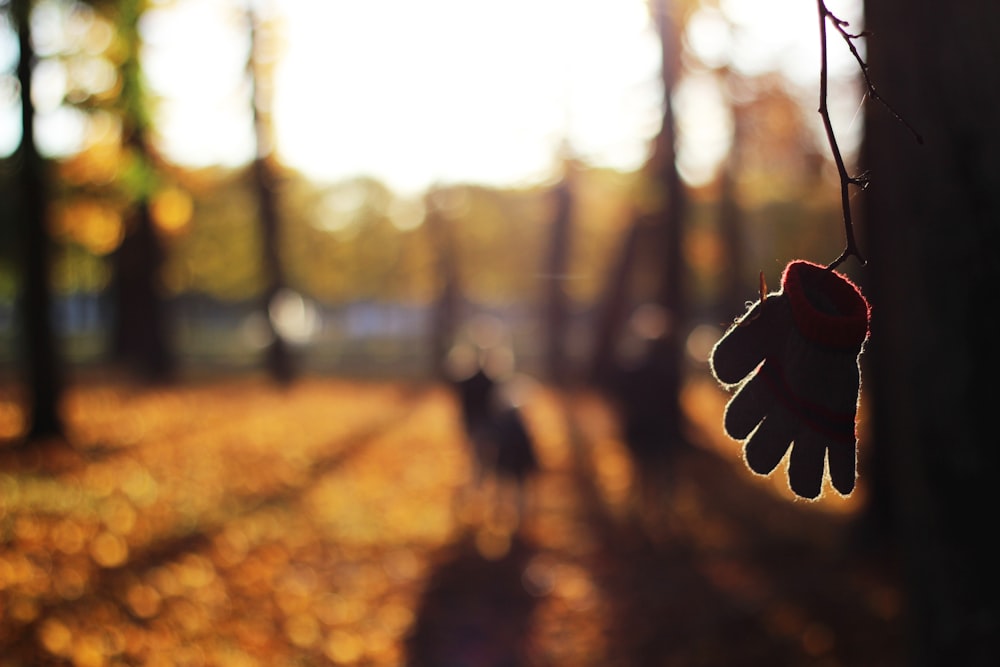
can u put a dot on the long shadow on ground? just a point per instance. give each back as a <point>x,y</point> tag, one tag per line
<point>721,572</point>
<point>474,611</point>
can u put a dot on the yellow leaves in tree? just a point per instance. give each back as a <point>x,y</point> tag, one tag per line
<point>12,420</point>
<point>100,163</point>
<point>172,210</point>
<point>96,226</point>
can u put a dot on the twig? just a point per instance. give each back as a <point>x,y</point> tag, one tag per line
<point>824,111</point>
<point>845,179</point>
<point>849,38</point>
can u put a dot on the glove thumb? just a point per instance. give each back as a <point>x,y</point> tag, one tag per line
<point>749,340</point>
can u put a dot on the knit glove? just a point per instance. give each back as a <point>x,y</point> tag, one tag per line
<point>809,337</point>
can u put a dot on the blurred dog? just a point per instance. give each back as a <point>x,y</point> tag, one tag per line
<point>501,446</point>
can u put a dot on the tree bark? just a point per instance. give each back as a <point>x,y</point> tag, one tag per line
<point>41,360</point>
<point>277,355</point>
<point>612,313</point>
<point>933,236</point>
<point>556,306</point>
<point>445,318</point>
<point>666,355</point>
<point>141,337</point>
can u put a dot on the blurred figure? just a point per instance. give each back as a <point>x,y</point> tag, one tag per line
<point>475,393</point>
<point>501,446</point>
<point>510,444</point>
<point>647,423</point>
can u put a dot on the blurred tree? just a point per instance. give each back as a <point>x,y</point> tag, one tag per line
<point>278,354</point>
<point>637,356</point>
<point>932,234</point>
<point>612,306</point>
<point>105,196</point>
<point>734,292</point>
<point>445,320</point>
<point>41,357</point>
<point>665,357</point>
<point>9,222</point>
<point>555,309</point>
<point>141,337</point>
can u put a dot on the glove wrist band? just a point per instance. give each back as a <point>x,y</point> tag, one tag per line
<point>827,307</point>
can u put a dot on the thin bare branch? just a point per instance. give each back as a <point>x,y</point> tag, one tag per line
<point>849,38</point>
<point>862,181</point>
<point>845,179</point>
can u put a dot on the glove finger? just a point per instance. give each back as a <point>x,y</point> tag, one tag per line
<point>747,408</point>
<point>805,469</point>
<point>741,349</point>
<point>747,342</point>
<point>843,458</point>
<point>767,446</point>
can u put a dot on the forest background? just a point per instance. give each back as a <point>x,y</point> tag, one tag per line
<point>362,266</point>
<point>157,244</point>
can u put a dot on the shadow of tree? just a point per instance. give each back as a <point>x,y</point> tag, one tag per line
<point>715,570</point>
<point>474,610</point>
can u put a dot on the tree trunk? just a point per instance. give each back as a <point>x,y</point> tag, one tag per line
<point>141,338</point>
<point>648,389</point>
<point>41,359</point>
<point>666,355</point>
<point>445,319</point>
<point>278,355</point>
<point>556,305</point>
<point>933,235</point>
<point>612,313</point>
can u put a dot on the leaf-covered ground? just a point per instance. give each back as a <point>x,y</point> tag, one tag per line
<point>334,523</point>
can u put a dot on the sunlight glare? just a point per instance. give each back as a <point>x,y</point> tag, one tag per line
<point>435,92</point>
<point>195,57</point>
<point>407,214</point>
<point>293,317</point>
<point>705,127</point>
<point>444,90</point>
<point>708,35</point>
<point>783,36</point>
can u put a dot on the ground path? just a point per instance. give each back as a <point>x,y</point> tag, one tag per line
<point>235,523</point>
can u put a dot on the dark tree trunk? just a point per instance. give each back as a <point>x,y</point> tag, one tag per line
<point>444,323</point>
<point>141,338</point>
<point>556,304</point>
<point>41,358</point>
<point>933,237</point>
<point>647,390</point>
<point>666,354</point>
<point>613,307</point>
<point>278,355</point>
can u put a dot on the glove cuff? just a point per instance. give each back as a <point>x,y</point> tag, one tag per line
<point>827,307</point>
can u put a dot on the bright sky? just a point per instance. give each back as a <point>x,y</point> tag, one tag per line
<point>415,92</point>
